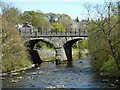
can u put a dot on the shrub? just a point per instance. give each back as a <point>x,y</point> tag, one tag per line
<point>14,52</point>
<point>109,67</point>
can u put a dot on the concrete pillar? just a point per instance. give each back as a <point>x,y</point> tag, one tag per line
<point>68,51</point>
<point>60,54</point>
<point>35,57</point>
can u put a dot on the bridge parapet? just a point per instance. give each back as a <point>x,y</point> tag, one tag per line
<point>67,33</point>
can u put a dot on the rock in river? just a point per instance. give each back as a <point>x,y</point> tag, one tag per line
<point>105,80</point>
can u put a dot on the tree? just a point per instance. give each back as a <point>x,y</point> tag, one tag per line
<point>77,20</point>
<point>37,19</point>
<point>56,26</point>
<point>11,14</point>
<point>14,53</point>
<point>65,20</point>
<point>103,33</point>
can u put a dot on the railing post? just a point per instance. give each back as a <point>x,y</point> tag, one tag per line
<point>79,32</point>
<point>56,32</point>
<point>46,32</point>
<point>41,32</point>
<point>51,31</point>
<point>75,31</point>
<point>66,31</point>
<point>70,31</point>
<point>25,31</point>
<point>84,31</point>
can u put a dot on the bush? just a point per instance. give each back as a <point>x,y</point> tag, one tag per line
<point>110,67</point>
<point>57,27</point>
<point>14,52</point>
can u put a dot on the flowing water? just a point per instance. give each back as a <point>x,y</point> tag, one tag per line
<point>79,74</point>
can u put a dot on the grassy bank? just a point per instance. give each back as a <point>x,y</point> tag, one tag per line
<point>14,52</point>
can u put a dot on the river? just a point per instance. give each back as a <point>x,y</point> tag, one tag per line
<point>79,74</point>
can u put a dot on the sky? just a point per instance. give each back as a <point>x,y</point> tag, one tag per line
<point>74,8</point>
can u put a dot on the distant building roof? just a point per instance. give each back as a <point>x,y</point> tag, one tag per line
<point>27,25</point>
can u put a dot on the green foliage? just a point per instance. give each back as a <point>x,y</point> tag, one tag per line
<point>11,14</point>
<point>57,26</point>
<point>37,19</point>
<point>14,53</point>
<point>81,44</point>
<point>46,21</point>
<point>44,45</point>
<point>103,43</point>
<point>109,67</point>
<point>65,20</point>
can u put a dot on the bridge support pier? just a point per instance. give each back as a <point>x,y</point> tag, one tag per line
<point>60,55</point>
<point>35,57</point>
<point>68,51</point>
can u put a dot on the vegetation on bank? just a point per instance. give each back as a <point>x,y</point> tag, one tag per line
<point>104,39</point>
<point>14,53</point>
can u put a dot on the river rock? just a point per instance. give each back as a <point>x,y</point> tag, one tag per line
<point>112,85</point>
<point>19,77</point>
<point>32,86</point>
<point>30,77</point>
<point>105,80</point>
<point>41,72</point>
<point>2,78</point>
<point>13,74</point>
<point>116,81</point>
<point>38,67</point>
<point>34,73</point>
<point>23,71</point>
<point>79,73</point>
<point>81,61</point>
<point>50,86</point>
<point>10,76</point>
<point>88,67</point>
<point>32,66</point>
<point>14,81</point>
<point>60,86</point>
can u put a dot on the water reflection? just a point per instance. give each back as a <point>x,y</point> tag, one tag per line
<point>69,64</point>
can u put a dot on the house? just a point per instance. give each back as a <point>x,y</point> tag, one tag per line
<point>26,29</point>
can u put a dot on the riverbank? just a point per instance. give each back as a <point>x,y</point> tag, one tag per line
<point>17,71</point>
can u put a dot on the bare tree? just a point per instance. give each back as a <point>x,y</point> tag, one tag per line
<point>104,24</point>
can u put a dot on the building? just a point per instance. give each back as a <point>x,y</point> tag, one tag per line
<point>26,29</point>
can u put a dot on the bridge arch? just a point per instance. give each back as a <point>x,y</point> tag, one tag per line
<point>68,48</point>
<point>34,53</point>
<point>31,43</point>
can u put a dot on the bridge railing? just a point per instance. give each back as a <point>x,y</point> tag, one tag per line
<point>67,33</point>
